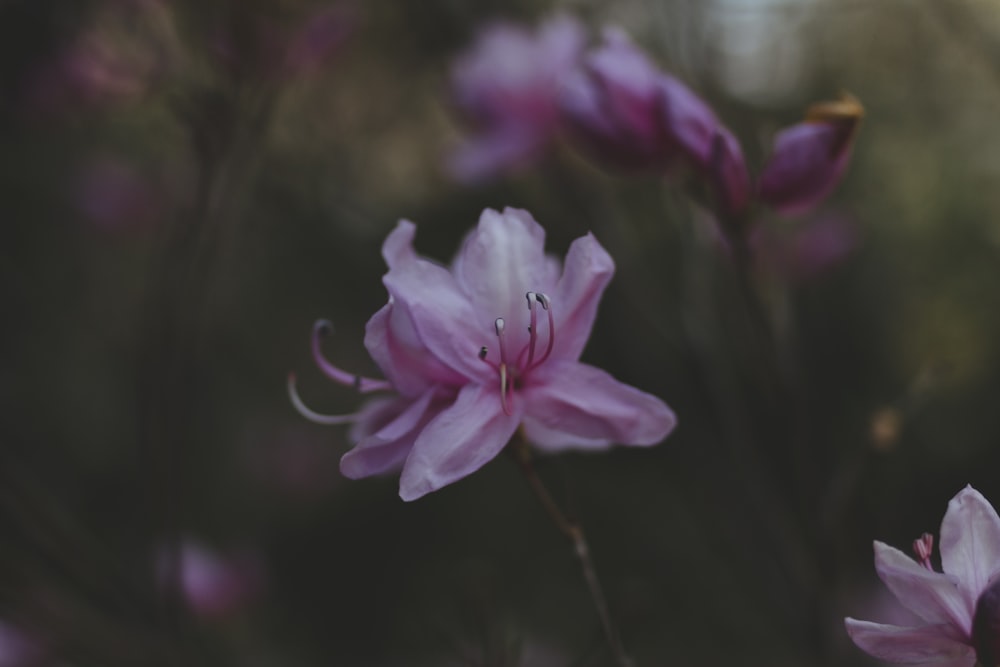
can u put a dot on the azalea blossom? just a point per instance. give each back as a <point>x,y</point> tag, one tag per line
<point>507,85</point>
<point>474,352</point>
<point>625,109</point>
<point>809,159</point>
<point>960,606</point>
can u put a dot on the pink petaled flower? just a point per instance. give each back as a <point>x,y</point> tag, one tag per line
<point>627,110</point>
<point>479,350</point>
<point>961,606</point>
<point>507,85</point>
<point>809,159</point>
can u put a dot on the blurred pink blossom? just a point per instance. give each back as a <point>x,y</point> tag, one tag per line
<point>809,159</point>
<point>317,39</point>
<point>213,585</point>
<point>114,196</point>
<point>115,60</point>
<point>507,86</point>
<point>627,110</point>
<point>18,649</point>
<point>810,249</point>
<point>960,607</point>
<point>476,352</point>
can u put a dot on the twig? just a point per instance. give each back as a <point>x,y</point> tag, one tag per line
<point>574,533</point>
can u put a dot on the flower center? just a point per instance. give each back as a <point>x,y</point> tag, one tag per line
<point>511,372</point>
<point>986,626</point>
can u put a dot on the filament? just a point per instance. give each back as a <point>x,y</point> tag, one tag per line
<point>311,415</point>
<point>362,384</point>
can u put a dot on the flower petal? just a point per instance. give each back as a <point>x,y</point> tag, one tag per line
<point>930,643</point>
<point>506,147</point>
<point>970,542</point>
<point>444,322</point>
<point>587,271</point>
<point>807,163</point>
<point>932,596</point>
<point>392,341</point>
<point>387,430</point>
<point>501,260</point>
<point>459,441</point>
<point>569,404</point>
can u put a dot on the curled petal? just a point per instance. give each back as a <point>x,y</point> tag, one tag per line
<point>573,404</point>
<point>927,644</point>
<point>587,271</point>
<point>389,428</point>
<point>932,596</point>
<point>970,542</point>
<point>458,441</point>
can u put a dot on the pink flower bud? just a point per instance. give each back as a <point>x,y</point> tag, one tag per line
<point>809,158</point>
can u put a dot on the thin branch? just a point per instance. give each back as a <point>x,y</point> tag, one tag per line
<point>574,533</point>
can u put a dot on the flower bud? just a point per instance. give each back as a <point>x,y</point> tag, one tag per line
<point>809,158</point>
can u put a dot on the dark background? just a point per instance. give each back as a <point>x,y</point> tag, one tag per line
<point>174,224</point>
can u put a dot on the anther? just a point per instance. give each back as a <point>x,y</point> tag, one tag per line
<point>923,548</point>
<point>483,352</point>
<point>544,301</point>
<point>505,384</point>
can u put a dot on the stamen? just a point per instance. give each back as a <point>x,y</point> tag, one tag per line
<point>483,351</point>
<point>309,414</point>
<point>923,547</point>
<point>532,329</point>
<point>362,384</point>
<point>505,383</point>
<point>546,304</point>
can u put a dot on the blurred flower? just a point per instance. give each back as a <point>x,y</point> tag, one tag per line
<point>629,112</point>
<point>810,249</point>
<point>115,60</point>
<point>112,195</point>
<point>213,585</point>
<point>471,363</point>
<point>18,649</point>
<point>960,606</point>
<point>316,40</point>
<point>253,45</point>
<point>809,159</point>
<point>507,85</point>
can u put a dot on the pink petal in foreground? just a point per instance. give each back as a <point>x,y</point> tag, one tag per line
<point>926,644</point>
<point>931,595</point>
<point>443,319</point>
<point>576,404</point>
<point>587,271</point>
<point>970,541</point>
<point>459,441</point>
<point>387,448</point>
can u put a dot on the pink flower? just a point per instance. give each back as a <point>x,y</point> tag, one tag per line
<point>809,159</point>
<point>626,110</point>
<point>507,86</point>
<point>213,585</point>
<point>479,350</point>
<point>961,606</point>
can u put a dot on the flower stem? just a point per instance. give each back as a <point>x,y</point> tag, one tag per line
<point>574,533</point>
